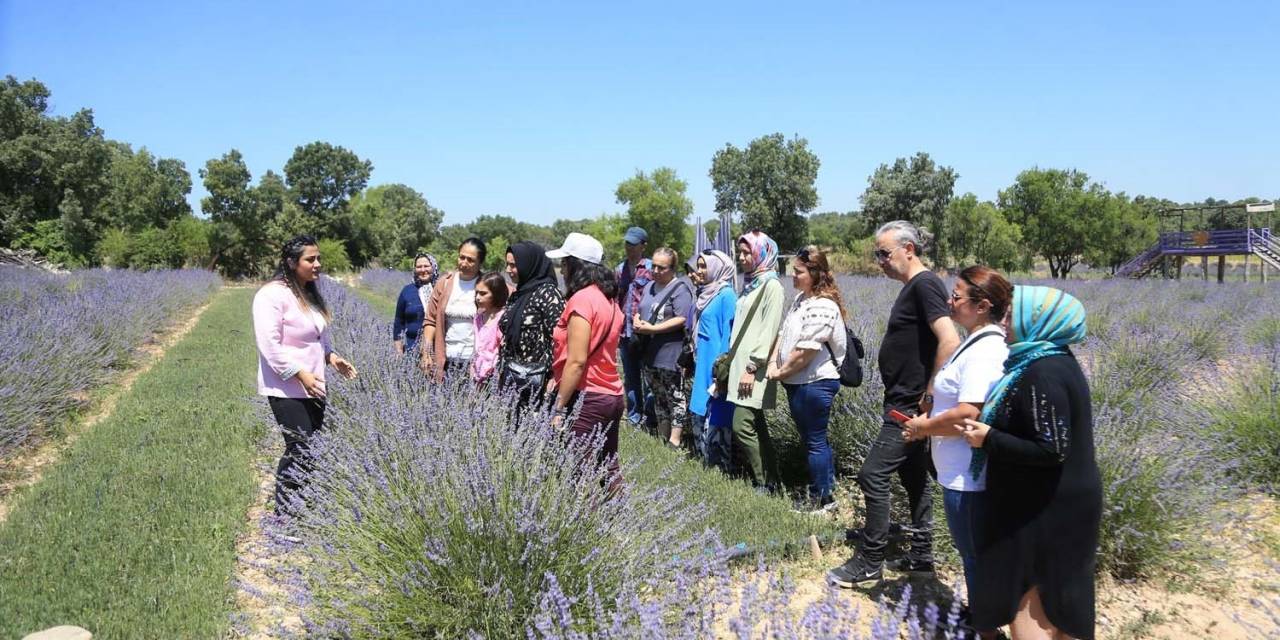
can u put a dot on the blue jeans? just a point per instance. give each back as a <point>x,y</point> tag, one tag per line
<point>964,511</point>
<point>639,400</point>
<point>811,409</point>
<point>714,442</point>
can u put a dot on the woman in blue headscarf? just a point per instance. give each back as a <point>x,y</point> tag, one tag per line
<point>412,303</point>
<point>1037,544</point>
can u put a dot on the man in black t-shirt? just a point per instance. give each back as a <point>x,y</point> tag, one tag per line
<point>920,337</point>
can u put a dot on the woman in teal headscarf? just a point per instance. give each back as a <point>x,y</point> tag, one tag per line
<point>1036,548</point>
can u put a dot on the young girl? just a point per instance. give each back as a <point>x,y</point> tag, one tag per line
<point>491,301</point>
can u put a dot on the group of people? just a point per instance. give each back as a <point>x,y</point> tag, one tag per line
<point>1000,418</point>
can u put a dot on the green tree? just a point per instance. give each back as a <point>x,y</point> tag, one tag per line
<point>1122,230</point>
<point>771,183</point>
<point>916,190</point>
<point>322,178</point>
<point>144,190</point>
<point>152,248</point>
<point>392,222</point>
<point>835,230</point>
<point>190,238</point>
<point>239,240</point>
<point>657,203</point>
<point>333,256</point>
<point>978,233</point>
<point>113,248</point>
<point>1056,209</point>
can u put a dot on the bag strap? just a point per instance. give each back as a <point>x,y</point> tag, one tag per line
<point>666,295</point>
<point>956,356</point>
<point>751,313</point>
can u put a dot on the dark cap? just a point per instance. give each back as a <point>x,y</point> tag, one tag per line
<point>635,235</point>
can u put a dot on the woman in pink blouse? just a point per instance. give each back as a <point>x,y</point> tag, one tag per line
<point>491,302</point>
<point>291,327</point>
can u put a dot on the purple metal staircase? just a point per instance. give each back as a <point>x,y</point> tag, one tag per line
<point>1265,246</point>
<point>1223,242</point>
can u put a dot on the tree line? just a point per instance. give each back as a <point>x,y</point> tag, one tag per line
<point>81,199</point>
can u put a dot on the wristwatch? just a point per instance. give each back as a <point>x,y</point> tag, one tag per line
<point>926,398</point>
<point>752,368</point>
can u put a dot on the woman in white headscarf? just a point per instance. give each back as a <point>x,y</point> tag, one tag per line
<point>712,324</point>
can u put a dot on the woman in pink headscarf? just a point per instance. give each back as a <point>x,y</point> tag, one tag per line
<point>757,316</point>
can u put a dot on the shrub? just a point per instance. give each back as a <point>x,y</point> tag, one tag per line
<point>428,513</point>
<point>333,256</point>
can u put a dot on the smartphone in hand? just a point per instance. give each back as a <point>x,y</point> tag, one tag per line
<point>899,416</point>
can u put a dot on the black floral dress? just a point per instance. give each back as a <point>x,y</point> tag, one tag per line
<point>532,344</point>
<point>1043,502</point>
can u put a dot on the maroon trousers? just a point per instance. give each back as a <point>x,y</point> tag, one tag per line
<point>603,412</point>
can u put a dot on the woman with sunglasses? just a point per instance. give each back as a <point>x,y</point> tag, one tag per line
<point>978,302</point>
<point>659,327</point>
<point>806,360</point>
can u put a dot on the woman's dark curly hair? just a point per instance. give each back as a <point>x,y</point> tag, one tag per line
<point>286,271</point>
<point>580,274</point>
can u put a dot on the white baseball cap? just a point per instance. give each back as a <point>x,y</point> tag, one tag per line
<point>580,246</point>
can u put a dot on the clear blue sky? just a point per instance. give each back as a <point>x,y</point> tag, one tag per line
<point>537,110</point>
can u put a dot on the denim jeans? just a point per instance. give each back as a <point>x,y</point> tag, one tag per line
<point>714,442</point>
<point>890,454</point>
<point>964,511</point>
<point>639,400</point>
<point>811,409</point>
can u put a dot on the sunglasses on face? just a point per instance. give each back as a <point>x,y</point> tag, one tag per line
<point>883,254</point>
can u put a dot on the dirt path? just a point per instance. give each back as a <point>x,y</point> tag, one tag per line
<point>263,605</point>
<point>27,467</point>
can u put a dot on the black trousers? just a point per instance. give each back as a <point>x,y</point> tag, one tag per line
<point>298,419</point>
<point>910,460</point>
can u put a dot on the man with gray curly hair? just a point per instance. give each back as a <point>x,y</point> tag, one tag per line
<point>919,339</point>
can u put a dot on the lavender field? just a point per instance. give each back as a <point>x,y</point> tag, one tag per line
<point>1185,379</point>
<point>64,335</point>
<point>431,512</point>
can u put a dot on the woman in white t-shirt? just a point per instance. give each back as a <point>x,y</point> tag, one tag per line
<point>978,302</point>
<point>448,330</point>
<point>806,359</point>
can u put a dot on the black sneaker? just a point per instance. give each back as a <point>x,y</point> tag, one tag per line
<point>910,566</point>
<point>857,570</point>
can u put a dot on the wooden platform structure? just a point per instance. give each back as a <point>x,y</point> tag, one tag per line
<point>1174,247</point>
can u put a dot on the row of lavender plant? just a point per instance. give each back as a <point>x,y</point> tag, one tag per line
<point>385,282</point>
<point>63,335</point>
<point>434,512</point>
<point>1155,357</point>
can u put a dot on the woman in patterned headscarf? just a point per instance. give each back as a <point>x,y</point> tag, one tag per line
<point>757,316</point>
<point>712,324</point>
<point>1036,548</point>
<point>412,303</point>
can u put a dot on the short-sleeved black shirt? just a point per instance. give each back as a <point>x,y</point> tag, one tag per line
<point>910,346</point>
